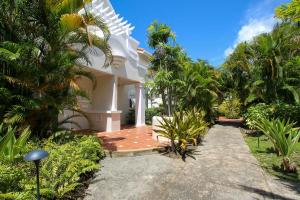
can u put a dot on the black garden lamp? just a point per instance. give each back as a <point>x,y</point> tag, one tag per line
<point>36,156</point>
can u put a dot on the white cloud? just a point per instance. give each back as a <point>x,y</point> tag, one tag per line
<point>228,51</point>
<point>255,27</point>
<point>251,29</point>
<point>259,19</point>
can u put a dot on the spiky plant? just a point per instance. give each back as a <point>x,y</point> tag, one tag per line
<point>182,129</point>
<point>284,138</point>
<point>10,146</point>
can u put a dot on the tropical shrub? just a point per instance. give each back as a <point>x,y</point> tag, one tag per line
<point>182,129</point>
<point>69,162</point>
<point>10,176</point>
<point>10,146</point>
<point>198,123</point>
<point>231,108</point>
<point>281,111</point>
<point>198,88</point>
<point>287,111</point>
<point>150,113</point>
<point>257,113</point>
<point>284,138</point>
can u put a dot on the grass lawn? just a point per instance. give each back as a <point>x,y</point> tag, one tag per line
<point>268,158</point>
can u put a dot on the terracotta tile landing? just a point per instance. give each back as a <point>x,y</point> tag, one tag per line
<point>224,120</point>
<point>129,138</point>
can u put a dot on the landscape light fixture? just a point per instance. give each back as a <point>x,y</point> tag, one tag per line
<point>36,156</point>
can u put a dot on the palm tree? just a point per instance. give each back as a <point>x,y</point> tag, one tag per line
<point>289,12</point>
<point>43,60</point>
<point>267,68</point>
<point>272,53</point>
<point>160,37</point>
<point>198,88</point>
<point>236,71</point>
<point>159,34</point>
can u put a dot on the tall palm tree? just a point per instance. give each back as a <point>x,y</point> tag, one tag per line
<point>271,54</point>
<point>289,12</point>
<point>267,68</point>
<point>43,52</point>
<point>199,88</point>
<point>161,39</point>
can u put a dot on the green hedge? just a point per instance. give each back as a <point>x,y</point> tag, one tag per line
<point>150,113</point>
<point>278,110</point>
<point>287,111</point>
<point>70,160</point>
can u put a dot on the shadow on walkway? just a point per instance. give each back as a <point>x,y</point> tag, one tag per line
<point>264,193</point>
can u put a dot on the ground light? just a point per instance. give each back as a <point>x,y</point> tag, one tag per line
<point>36,156</point>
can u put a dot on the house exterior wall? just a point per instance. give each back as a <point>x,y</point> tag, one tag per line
<point>102,94</point>
<point>108,103</point>
<point>123,102</point>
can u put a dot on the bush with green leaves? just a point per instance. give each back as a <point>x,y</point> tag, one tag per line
<point>69,162</point>
<point>182,129</point>
<point>287,111</point>
<point>281,111</point>
<point>150,113</point>
<point>257,113</point>
<point>231,108</point>
<point>284,138</point>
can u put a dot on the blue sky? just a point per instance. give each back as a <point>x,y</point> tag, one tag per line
<point>206,29</point>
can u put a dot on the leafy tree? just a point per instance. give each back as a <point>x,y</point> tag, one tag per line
<point>44,48</point>
<point>267,68</point>
<point>159,34</point>
<point>271,54</point>
<point>165,62</point>
<point>236,72</point>
<point>289,12</point>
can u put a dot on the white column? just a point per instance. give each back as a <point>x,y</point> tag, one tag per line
<point>114,103</point>
<point>139,105</point>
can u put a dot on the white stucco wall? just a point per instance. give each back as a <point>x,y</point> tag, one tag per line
<point>86,85</point>
<point>123,102</point>
<point>133,67</point>
<point>102,94</point>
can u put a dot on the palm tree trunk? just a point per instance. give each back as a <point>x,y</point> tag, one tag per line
<point>147,98</point>
<point>163,97</point>
<point>169,102</point>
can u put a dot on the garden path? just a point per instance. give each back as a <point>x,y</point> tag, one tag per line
<point>223,168</point>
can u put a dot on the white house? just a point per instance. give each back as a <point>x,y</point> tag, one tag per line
<point>109,101</point>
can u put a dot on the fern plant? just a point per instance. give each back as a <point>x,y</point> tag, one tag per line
<point>60,174</point>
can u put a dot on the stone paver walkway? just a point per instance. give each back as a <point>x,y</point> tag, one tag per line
<point>223,169</point>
